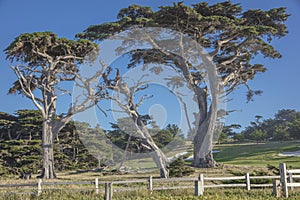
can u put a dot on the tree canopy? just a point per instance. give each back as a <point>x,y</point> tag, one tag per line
<point>231,36</point>
<point>45,51</point>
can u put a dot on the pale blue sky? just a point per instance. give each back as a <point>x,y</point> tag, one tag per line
<point>280,84</point>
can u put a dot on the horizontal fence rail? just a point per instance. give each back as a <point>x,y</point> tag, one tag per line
<point>18,185</point>
<point>224,178</point>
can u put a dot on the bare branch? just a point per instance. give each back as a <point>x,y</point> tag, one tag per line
<point>59,58</point>
<point>91,98</point>
<point>101,110</point>
<point>220,43</point>
<point>45,55</point>
<point>144,97</point>
<point>178,95</point>
<point>25,86</point>
<point>237,54</point>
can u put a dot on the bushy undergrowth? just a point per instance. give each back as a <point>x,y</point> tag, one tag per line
<point>178,168</point>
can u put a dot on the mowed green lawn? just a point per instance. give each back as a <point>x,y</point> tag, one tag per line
<point>261,154</point>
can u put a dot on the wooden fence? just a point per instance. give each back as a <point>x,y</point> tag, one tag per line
<point>199,184</point>
<point>286,180</point>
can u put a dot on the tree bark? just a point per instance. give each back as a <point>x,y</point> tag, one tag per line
<point>203,140</point>
<point>203,157</point>
<point>157,155</point>
<point>9,134</point>
<point>161,162</point>
<point>159,158</point>
<point>48,171</point>
<point>125,153</point>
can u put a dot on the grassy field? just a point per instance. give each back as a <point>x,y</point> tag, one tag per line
<point>262,154</point>
<point>212,194</point>
<point>245,154</point>
<point>240,158</point>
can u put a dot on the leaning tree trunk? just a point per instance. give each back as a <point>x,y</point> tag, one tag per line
<point>157,155</point>
<point>48,155</point>
<point>161,162</point>
<point>125,153</point>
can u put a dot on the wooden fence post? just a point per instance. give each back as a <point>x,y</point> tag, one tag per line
<point>199,186</point>
<point>248,184</point>
<point>150,183</point>
<point>97,185</point>
<point>110,191</point>
<point>291,180</point>
<point>39,187</point>
<point>202,183</point>
<point>283,179</point>
<point>276,188</point>
<point>108,194</point>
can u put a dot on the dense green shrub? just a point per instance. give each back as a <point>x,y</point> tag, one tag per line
<point>178,168</point>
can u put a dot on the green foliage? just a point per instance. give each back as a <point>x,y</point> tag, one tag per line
<point>273,169</point>
<point>258,135</point>
<point>222,137</point>
<point>228,134</point>
<point>124,131</point>
<point>135,12</point>
<point>162,138</point>
<point>46,53</point>
<point>243,35</point>
<point>25,124</point>
<point>3,171</point>
<point>238,137</point>
<point>178,168</point>
<point>281,134</point>
<point>20,156</point>
<point>284,126</point>
<point>29,47</point>
<point>23,152</point>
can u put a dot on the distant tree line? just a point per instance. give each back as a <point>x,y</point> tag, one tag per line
<point>20,146</point>
<point>284,126</point>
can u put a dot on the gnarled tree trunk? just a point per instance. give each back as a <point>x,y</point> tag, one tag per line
<point>203,156</point>
<point>203,140</point>
<point>48,171</point>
